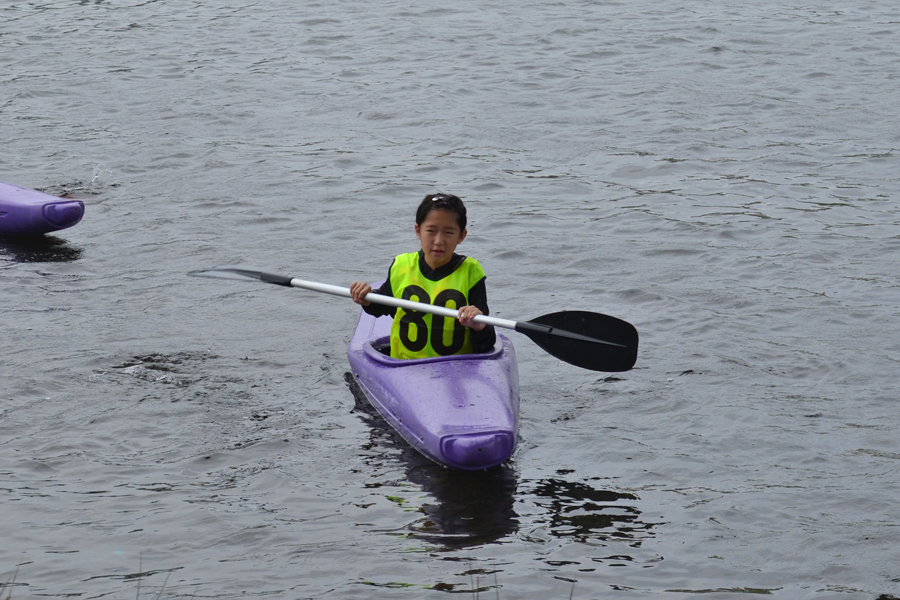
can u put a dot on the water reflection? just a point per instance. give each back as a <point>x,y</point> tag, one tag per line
<point>38,249</point>
<point>469,508</point>
<point>578,511</point>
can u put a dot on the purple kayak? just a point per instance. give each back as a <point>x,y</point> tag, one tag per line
<point>29,212</point>
<point>461,411</point>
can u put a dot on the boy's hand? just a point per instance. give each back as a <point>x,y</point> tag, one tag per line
<point>465,316</point>
<point>358,291</point>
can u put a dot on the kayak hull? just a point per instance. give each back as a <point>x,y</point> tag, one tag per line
<point>29,212</point>
<point>461,411</point>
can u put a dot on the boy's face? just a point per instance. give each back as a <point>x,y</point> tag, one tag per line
<point>439,234</point>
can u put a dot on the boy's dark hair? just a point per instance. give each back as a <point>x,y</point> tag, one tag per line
<point>443,202</point>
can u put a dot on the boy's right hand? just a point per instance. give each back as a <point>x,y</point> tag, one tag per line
<point>358,291</point>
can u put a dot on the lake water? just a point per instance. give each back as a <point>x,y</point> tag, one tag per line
<point>722,175</point>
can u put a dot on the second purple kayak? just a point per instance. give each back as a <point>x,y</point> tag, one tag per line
<point>28,212</point>
<point>461,411</point>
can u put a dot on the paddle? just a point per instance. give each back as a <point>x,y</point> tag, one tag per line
<point>585,339</point>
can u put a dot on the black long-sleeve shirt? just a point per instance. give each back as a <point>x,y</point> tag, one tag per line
<point>482,341</point>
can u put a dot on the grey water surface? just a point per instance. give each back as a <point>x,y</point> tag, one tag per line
<point>723,175</point>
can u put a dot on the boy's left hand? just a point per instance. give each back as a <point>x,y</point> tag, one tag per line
<point>465,316</point>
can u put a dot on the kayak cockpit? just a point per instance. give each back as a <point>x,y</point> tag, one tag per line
<point>379,350</point>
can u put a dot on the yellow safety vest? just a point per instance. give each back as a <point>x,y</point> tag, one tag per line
<point>415,334</point>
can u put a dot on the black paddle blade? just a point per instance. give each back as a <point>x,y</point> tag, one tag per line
<point>242,273</point>
<point>585,339</point>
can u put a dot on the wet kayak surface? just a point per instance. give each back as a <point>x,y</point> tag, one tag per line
<point>723,177</point>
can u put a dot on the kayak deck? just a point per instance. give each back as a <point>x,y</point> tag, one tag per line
<point>461,411</point>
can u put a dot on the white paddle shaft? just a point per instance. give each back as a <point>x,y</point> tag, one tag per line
<point>398,302</point>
